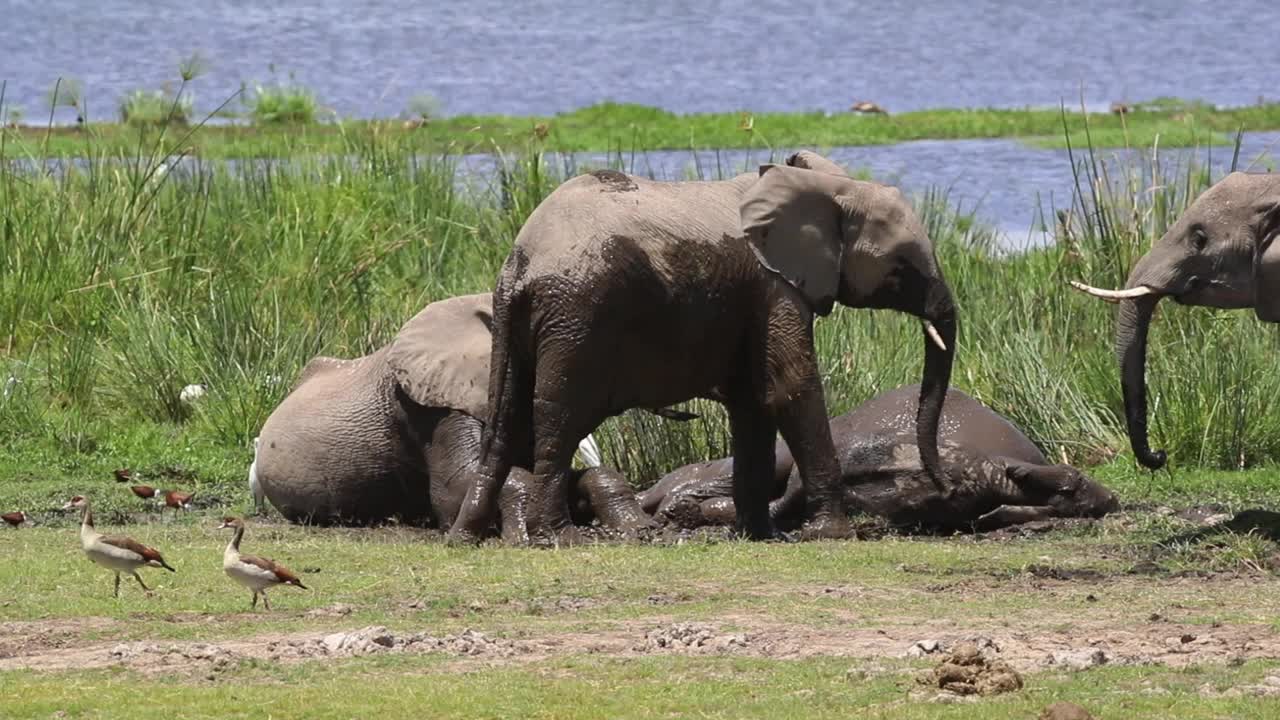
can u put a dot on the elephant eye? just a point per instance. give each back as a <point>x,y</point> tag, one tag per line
<point>1199,238</point>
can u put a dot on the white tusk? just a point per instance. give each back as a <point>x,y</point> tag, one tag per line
<point>1113,296</point>
<point>932,332</point>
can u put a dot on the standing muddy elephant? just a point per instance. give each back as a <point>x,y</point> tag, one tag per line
<point>622,292</point>
<point>1220,253</point>
<point>997,475</point>
<point>393,433</point>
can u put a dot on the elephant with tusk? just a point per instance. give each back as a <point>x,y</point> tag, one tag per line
<point>998,475</point>
<point>391,434</point>
<point>623,292</point>
<point>1220,253</point>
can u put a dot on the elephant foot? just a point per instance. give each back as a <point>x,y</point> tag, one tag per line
<point>515,534</point>
<point>757,530</point>
<point>827,527</point>
<point>566,536</point>
<point>459,536</point>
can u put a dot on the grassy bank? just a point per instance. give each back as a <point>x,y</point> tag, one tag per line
<point>626,127</point>
<point>120,284</point>
<point>569,632</point>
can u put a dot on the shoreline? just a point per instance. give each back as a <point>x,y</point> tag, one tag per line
<point>611,127</point>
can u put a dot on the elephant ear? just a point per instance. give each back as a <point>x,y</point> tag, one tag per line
<point>1266,266</point>
<point>440,358</point>
<point>814,161</point>
<point>793,223</point>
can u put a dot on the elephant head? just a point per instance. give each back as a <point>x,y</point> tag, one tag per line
<point>833,239</point>
<point>1069,492</point>
<point>349,443</point>
<point>1218,254</point>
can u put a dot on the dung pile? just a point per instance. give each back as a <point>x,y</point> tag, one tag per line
<point>967,671</point>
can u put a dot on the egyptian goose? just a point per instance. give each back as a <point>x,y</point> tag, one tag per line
<point>255,573</point>
<point>255,486</point>
<point>123,475</point>
<point>114,552</point>
<point>15,518</point>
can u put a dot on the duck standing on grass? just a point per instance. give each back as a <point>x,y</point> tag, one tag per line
<point>255,573</point>
<point>15,518</point>
<point>114,552</point>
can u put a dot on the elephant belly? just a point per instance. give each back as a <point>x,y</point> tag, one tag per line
<point>915,502</point>
<point>965,422</point>
<point>659,322</point>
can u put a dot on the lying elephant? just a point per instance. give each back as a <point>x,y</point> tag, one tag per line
<point>392,434</point>
<point>1000,478</point>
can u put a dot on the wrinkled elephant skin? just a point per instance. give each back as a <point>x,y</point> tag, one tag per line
<point>998,477</point>
<point>394,434</point>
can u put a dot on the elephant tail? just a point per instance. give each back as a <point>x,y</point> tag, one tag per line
<point>510,380</point>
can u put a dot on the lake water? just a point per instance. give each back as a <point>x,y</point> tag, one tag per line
<point>369,57</point>
<point>1005,182</point>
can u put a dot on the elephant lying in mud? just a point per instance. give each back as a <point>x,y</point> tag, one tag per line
<point>999,477</point>
<point>392,434</point>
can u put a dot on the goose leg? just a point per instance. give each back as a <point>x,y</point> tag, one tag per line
<point>138,577</point>
<point>115,593</point>
<point>265,602</point>
<point>254,604</point>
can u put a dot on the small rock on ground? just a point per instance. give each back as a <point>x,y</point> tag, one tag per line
<point>1079,659</point>
<point>691,637</point>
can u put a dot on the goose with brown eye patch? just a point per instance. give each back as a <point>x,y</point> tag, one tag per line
<point>117,553</point>
<point>251,571</point>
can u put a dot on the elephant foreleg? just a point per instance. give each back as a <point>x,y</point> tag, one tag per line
<point>807,432</point>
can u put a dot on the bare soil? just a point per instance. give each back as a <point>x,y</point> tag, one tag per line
<point>1057,636</point>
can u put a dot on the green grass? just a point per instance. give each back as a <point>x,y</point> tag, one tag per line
<point>282,124</point>
<point>408,581</point>
<point>590,688</point>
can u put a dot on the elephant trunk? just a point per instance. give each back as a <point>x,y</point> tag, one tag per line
<point>1131,351</point>
<point>939,310</point>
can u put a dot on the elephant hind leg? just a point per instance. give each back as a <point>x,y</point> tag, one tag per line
<point>556,439</point>
<point>610,498</point>
<point>506,440</point>
<point>515,503</point>
<point>754,434</point>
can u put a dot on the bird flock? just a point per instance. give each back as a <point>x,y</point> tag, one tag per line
<point>123,555</point>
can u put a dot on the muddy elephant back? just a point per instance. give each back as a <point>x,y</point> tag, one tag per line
<point>965,422</point>
<point>335,450</point>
